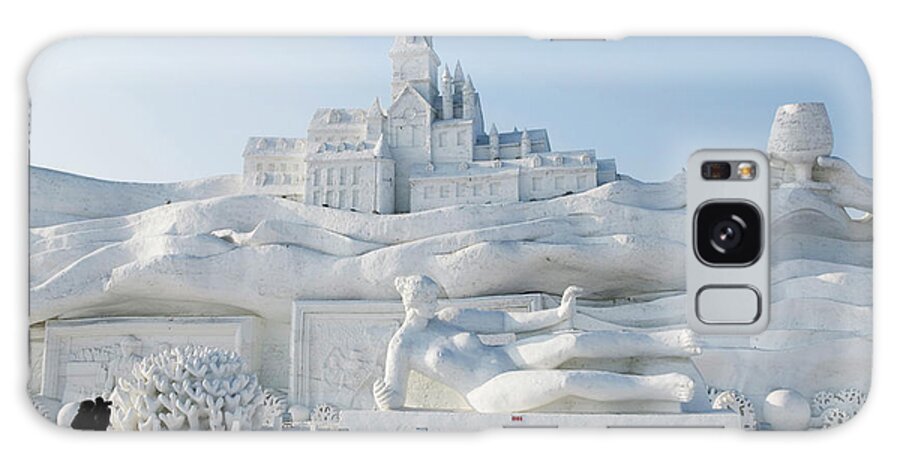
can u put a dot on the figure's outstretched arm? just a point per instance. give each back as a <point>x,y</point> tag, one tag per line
<point>848,187</point>
<point>390,392</point>
<point>493,322</point>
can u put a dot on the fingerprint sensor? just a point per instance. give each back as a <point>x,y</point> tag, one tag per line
<point>728,304</point>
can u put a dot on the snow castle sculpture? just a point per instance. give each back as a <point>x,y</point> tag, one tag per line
<point>428,149</point>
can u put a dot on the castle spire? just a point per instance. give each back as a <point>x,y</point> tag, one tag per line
<point>525,147</point>
<point>494,140</point>
<point>469,86</point>
<point>458,74</point>
<point>378,150</point>
<point>375,109</point>
<point>446,94</point>
<point>468,94</point>
<point>375,121</point>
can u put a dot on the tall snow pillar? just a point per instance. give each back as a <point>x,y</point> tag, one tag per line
<point>446,95</point>
<point>375,120</point>
<point>494,140</point>
<point>525,146</point>
<point>468,99</point>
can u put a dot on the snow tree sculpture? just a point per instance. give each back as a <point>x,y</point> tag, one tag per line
<point>188,388</point>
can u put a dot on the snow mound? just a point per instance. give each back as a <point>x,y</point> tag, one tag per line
<point>59,197</point>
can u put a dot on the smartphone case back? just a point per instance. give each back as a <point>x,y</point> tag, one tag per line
<point>426,260</point>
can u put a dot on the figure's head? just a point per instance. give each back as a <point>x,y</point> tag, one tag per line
<point>86,406</point>
<point>419,294</point>
<point>573,292</point>
<point>130,345</point>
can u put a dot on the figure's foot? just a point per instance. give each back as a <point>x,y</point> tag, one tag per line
<point>678,387</point>
<point>680,342</point>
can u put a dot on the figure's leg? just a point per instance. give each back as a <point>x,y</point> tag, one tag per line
<point>525,390</point>
<point>549,351</point>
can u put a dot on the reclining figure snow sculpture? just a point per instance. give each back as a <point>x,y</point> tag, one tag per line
<point>442,344</point>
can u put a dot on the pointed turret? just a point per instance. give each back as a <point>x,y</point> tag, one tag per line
<point>525,145</point>
<point>446,94</point>
<point>469,87</point>
<point>494,140</point>
<point>380,150</point>
<point>375,109</point>
<point>468,99</point>
<point>375,121</point>
<point>459,79</point>
<point>458,74</point>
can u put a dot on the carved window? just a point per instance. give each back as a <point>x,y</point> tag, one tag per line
<point>354,199</point>
<point>581,181</point>
<point>461,138</point>
<point>259,166</point>
<point>315,179</point>
<point>330,176</point>
<point>343,179</point>
<point>536,184</point>
<point>427,192</point>
<point>317,198</point>
<point>461,190</point>
<point>476,190</point>
<point>342,199</point>
<point>559,183</point>
<point>442,139</point>
<point>357,170</point>
<point>494,188</point>
<point>445,191</point>
<point>329,198</point>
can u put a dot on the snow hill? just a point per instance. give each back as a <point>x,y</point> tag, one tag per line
<point>58,197</point>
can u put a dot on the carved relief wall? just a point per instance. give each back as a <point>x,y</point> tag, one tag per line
<point>83,358</point>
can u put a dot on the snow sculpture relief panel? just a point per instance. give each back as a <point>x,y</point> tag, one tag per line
<point>85,358</point>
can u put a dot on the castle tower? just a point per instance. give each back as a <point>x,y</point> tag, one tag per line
<point>375,121</point>
<point>446,95</point>
<point>468,92</point>
<point>459,78</point>
<point>526,143</point>
<point>414,62</point>
<point>494,142</point>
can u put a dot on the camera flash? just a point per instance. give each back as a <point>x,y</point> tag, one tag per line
<point>746,170</point>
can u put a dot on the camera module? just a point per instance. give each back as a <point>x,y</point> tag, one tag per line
<point>728,233</point>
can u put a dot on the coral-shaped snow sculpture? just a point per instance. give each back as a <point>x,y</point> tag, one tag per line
<point>834,408</point>
<point>189,388</point>
<point>274,407</point>
<point>735,401</point>
<point>324,417</point>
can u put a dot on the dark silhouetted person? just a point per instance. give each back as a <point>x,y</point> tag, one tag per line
<point>92,415</point>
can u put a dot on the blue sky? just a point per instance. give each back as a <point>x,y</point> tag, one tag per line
<point>176,109</point>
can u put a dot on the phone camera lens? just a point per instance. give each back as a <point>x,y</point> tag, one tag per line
<point>728,233</point>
